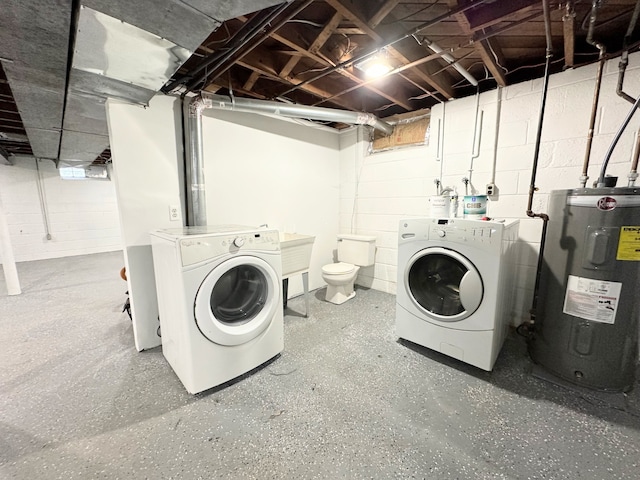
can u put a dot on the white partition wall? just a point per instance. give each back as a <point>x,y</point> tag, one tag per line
<point>269,170</point>
<point>146,146</point>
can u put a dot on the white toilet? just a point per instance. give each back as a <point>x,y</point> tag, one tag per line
<point>354,251</point>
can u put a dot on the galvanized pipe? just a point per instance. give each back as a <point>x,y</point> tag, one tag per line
<point>194,162</point>
<point>624,58</point>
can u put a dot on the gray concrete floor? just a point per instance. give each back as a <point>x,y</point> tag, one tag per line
<point>344,400</point>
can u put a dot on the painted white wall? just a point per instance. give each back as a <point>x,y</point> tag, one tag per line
<point>83,214</point>
<point>378,190</point>
<point>146,147</point>
<point>261,169</point>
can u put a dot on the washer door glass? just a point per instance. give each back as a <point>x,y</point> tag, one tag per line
<point>444,284</point>
<point>237,300</point>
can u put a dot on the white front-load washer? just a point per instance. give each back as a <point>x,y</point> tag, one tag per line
<point>220,301</point>
<point>455,286</point>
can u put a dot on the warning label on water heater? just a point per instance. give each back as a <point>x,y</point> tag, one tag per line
<point>629,244</point>
<point>595,300</point>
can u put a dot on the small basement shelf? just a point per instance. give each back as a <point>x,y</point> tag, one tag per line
<point>296,256</point>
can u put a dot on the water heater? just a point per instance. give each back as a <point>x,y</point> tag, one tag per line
<point>586,327</point>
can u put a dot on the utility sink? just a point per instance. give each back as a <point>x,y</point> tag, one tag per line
<point>296,252</point>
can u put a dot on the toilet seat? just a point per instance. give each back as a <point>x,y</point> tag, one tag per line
<point>339,268</point>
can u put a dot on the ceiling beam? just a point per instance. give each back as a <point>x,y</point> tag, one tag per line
<point>496,12</point>
<point>251,81</point>
<point>382,12</point>
<point>441,87</point>
<point>316,45</point>
<point>484,48</point>
<point>398,99</point>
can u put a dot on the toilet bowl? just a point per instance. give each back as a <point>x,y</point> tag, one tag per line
<point>340,278</point>
<point>354,251</point>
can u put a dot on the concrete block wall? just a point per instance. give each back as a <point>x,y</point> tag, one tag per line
<point>378,190</point>
<point>83,215</point>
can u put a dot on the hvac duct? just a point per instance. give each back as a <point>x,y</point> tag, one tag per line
<point>194,158</point>
<point>220,102</point>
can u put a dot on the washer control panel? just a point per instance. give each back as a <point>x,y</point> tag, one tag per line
<point>196,249</point>
<point>463,231</point>
<point>462,234</point>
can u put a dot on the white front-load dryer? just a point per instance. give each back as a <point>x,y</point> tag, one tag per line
<point>220,301</point>
<point>455,286</point>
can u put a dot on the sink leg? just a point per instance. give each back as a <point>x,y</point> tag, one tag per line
<point>285,291</point>
<point>305,285</point>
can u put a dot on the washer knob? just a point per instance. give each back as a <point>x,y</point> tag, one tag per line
<point>238,242</point>
<point>441,233</point>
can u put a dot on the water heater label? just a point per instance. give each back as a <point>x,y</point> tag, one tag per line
<point>629,244</point>
<point>595,300</point>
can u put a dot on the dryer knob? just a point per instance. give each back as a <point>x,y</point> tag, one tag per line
<point>441,233</point>
<point>238,242</point>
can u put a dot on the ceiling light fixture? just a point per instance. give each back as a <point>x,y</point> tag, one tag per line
<point>375,65</point>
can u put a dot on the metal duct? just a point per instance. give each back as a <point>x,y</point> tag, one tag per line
<point>194,161</point>
<point>220,102</point>
<point>34,43</point>
<point>193,138</point>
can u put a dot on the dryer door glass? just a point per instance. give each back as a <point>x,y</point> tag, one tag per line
<point>237,300</point>
<point>239,295</point>
<point>444,284</point>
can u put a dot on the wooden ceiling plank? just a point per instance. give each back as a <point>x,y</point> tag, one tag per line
<point>326,32</point>
<point>316,45</point>
<point>323,61</point>
<point>446,90</point>
<point>487,15</point>
<point>486,49</point>
<point>251,81</point>
<point>382,12</point>
<point>318,92</point>
<point>482,47</point>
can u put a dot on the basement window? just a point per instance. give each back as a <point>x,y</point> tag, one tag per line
<point>406,132</point>
<point>92,172</point>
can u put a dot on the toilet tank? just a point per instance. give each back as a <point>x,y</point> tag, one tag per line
<point>357,249</point>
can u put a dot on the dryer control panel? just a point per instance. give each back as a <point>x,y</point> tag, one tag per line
<point>196,249</point>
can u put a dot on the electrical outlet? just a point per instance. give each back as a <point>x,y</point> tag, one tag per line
<point>492,189</point>
<point>174,213</point>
